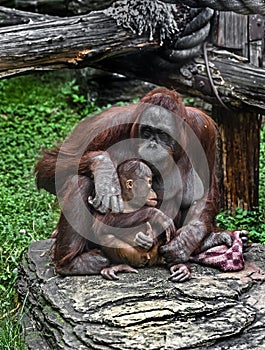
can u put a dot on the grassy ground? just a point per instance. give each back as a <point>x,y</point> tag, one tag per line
<point>37,112</point>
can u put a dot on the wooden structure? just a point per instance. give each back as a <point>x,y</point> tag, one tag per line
<point>240,130</point>
<point>234,73</point>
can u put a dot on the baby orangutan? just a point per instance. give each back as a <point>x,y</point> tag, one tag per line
<point>134,237</point>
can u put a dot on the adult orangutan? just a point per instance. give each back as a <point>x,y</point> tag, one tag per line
<point>179,144</point>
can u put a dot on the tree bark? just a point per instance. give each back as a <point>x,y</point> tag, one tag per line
<point>64,43</point>
<point>239,158</point>
<point>11,17</point>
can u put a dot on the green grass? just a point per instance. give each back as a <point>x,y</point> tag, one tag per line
<point>35,112</point>
<point>39,111</point>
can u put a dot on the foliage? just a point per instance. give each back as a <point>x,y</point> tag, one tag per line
<point>242,219</point>
<point>30,119</point>
<point>35,113</point>
<point>84,106</point>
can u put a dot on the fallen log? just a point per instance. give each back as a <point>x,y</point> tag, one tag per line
<point>64,43</point>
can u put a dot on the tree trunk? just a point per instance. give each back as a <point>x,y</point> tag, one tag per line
<point>240,158</point>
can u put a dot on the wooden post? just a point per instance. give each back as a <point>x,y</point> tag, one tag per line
<point>239,157</point>
<point>239,130</point>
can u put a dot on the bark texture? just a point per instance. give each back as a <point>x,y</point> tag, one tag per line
<point>212,311</point>
<point>240,134</point>
<point>65,42</point>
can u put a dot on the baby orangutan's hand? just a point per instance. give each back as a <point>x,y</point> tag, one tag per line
<point>109,273</point>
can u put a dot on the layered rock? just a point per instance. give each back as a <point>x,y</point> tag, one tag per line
<point>213,310</point>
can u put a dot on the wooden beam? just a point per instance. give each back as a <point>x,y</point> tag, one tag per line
<point>64,43</point>
<point>95,40</point>
<point>239,84</point>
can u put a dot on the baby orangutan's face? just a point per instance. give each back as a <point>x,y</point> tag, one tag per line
<point>143,194</point>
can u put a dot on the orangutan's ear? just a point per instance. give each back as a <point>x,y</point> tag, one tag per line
<point>129,184</point>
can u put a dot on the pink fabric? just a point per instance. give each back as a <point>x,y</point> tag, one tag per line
<point>222,257</point>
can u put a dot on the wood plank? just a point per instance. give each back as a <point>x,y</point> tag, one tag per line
<point>232,30</point>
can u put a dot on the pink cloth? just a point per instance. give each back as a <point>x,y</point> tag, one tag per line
<point>222,257</point>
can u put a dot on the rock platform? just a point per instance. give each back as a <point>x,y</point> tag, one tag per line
<point>214,310</point>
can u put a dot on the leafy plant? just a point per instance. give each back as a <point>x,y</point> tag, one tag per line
<point>253,221</point>
<point>84,105</point>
